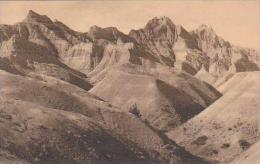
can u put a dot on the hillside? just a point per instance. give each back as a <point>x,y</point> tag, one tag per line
<point>165,101</point>
<point>229,126</point>
<point>34,107</point>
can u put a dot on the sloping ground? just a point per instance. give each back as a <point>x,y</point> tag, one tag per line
<point>251,156</point>
<point>164,100</point>
<point>236,80</point>
<point>205,76</point>
<point>7,157</point>
<point>229,126</point>
<point>55,96</point>
<point>43,135</point>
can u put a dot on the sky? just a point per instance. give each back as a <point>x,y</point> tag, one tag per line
<point>236,21</point>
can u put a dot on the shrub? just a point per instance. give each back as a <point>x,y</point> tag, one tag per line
<point>200,140</point>
<point>214,151</point>
<point>134,110</point>
<point>244,144</point>
<point>225,145</point>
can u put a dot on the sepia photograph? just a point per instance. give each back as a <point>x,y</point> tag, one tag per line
<point>130,82</point>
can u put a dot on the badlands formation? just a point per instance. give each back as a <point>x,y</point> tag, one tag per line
<point>160,94</point>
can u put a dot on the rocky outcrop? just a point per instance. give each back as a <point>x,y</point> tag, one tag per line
<point>222,54</point>
<point>159,37</point>
<point>190,51</point>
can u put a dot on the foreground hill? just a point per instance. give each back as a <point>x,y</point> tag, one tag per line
<point>229,126</point>
<point>79,126</point>
<point>51,136</point>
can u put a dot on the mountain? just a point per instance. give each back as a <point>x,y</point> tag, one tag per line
<point>229,126</point>
<point>160,35</point>
<point>191,51</point>
<point>160,43</point>
<point>224,56</point>
<point>103,96</point>
<point>33,46</point>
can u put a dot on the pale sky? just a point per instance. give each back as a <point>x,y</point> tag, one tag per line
<point>236,21</point>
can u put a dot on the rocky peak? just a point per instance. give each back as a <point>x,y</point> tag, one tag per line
<point>108,33</point>
<point>205,32</point>
<point>35,17</point>
<point>157,29</point>
<point>156,22</point>
<point>94,29</point>
<point>208,39</point>
<point>204,27</point>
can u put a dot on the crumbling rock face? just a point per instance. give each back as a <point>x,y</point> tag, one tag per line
<point>222,54</point>
<point>172,45</point>
<point>160,42</point>
<point>158,37</point>
<point>36,42</point>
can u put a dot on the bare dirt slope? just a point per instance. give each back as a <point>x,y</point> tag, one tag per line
<point>165,100</point>
<point>229,126</point>
<point>55,136</point>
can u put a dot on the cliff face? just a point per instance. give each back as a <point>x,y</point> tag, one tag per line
<point>192,51</point>
<point>222,54</point>
<point>162,38</point>
<point>159,44</point>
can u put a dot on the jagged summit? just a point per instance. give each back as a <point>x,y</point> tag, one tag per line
<point>162,21</point>
<point>32,16</point>
<point>161,40</point>
<point>108,33</point>
<point>206,32</point>
<point>32,13</point>
<point>205,27</point>
<point>95,28</point>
